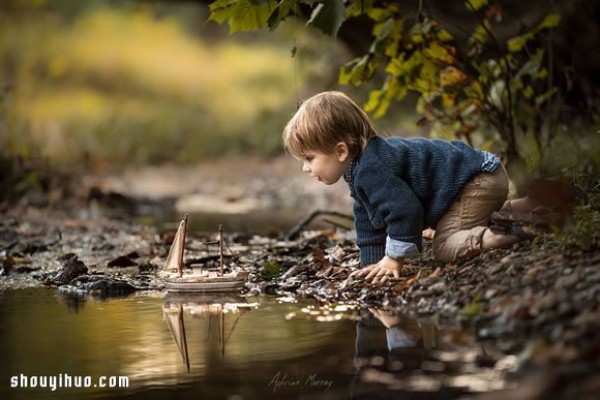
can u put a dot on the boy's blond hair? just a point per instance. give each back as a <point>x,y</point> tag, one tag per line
<point>323,121</point>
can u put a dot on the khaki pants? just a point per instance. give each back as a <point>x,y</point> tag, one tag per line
<point>458,233</point>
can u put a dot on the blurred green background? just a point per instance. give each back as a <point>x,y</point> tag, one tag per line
<point>105,83</point>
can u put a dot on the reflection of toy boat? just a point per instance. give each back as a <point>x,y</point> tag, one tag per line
<point>215,305</point>
<point>174,318</point>
<point>199,281</point>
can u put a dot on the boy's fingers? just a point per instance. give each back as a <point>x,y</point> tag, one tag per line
<point>362,272</point>
<point>373,274</point>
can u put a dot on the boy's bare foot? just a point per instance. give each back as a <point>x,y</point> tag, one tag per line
<point>428,234</point>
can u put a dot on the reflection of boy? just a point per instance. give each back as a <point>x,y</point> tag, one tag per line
<point>383,339</point>
<point>403,332</point>
<point>400,186</point>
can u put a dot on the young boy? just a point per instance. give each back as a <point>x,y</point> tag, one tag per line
<point>401,186</point>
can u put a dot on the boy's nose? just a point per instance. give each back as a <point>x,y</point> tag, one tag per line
<point>305,168</point>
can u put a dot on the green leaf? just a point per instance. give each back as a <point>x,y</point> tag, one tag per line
<point>429,73</point>
<point>374,98</point>
<point>380,100</point>
<point>550,21</point>
<point>221,10</point>
<point>346,72</point>
<point>541,73</point>
<point>396,66</point>
<point>528,92</point>
<point>328,16</point>
<point>384,34</point>
<point>437,52</point>
<point>359,8</point>
<point>475,4</point>
<point>281,12</point>
<point>383,29</point>
<point>444,36</point>
<point>379,14</point>
<point>518,42</point>
<point>542,98</point>
<point>480,34</point>
<point>242,15</point>
<point>357,71</point>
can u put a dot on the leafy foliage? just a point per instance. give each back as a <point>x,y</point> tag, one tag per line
<point>486,76</point>
<point>582,230</point>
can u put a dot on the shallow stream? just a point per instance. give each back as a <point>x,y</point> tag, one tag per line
<point>158,346</point>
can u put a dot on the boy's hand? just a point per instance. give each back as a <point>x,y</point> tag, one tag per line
<point>378,273</point>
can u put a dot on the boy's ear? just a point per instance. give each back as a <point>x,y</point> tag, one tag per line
<point>342,151</point>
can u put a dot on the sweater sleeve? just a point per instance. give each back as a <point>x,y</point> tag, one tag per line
<point>370,240</point>
<point>402,213</point>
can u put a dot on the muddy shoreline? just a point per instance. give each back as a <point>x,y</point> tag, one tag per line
<point>532,310</point>
<point>537,301</point>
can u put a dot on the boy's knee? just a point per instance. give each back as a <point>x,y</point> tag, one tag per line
<point>462,245</point>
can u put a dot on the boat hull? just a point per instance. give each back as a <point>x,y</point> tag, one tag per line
<point>215,286</point>
<point>191,284</point>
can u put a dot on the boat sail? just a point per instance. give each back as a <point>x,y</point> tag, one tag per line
<point>198,280</point>
<point>175,257</point>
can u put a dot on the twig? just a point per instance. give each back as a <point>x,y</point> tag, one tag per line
<point>336,223</point>
<point>295,231</point>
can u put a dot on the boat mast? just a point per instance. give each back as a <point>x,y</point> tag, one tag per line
<point>221,249</point>
<point>182,250</point>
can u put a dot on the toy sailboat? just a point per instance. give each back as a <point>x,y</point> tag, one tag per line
<point>198,280</point>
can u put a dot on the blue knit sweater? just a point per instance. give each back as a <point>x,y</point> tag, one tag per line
<point>401,186</point>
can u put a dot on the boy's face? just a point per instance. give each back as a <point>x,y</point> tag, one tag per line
<point>326,167</point>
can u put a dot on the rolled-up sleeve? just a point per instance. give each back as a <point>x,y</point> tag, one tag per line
<point>398,249</point>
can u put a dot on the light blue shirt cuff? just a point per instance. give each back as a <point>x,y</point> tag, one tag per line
<point>490,162</point>
<point>396,338</point>
<point>397,249</point>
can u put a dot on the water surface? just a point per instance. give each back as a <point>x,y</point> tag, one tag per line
<point>227,348</point>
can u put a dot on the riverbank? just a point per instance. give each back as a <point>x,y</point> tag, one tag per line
<point>535,305</point>
<point>533,309</point>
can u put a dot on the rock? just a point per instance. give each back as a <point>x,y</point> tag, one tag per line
<point>122,261</point>
<point>72,268</point>
<point>568,281</point>
<point>25,270</point>
<point>438,288</point>
<point>106,287</point>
